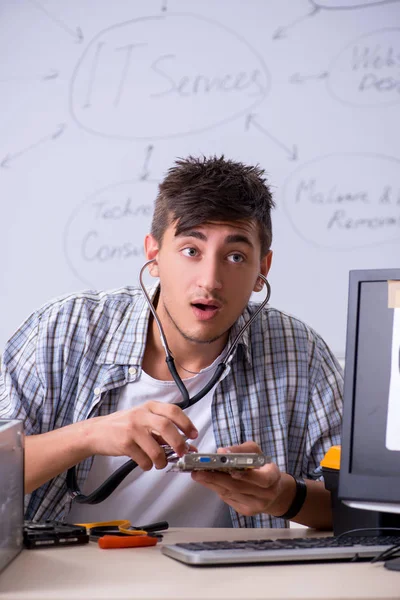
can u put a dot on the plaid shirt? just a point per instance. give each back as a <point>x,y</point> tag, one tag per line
<point>69,360</point>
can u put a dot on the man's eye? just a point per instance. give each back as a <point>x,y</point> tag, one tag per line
<point>189,251</point>
<point>236,258</point>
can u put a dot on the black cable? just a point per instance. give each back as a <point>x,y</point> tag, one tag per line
<point>385,554</point>
<point>366,529</point>
<point>104,490</point>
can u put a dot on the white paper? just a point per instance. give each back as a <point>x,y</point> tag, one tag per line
<point>393,420</point>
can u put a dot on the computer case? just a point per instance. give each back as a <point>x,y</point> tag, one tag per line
<point>11,490</point>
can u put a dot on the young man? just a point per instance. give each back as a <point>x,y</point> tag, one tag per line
<point>87,374</point>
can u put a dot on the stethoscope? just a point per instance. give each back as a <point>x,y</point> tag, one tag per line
<point>106,488</point>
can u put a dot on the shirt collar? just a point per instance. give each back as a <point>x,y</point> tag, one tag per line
<point>244,340</point>
<point>126,345</point>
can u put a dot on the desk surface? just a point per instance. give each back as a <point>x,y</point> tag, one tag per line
<point>90,573</point>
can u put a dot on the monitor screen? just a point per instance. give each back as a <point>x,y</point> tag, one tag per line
<point>370,455</point>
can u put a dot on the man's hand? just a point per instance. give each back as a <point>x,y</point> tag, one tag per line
<point>138,433</point>
<point>252,491</point>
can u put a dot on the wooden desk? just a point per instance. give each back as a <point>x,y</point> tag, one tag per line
<point>87,573</point>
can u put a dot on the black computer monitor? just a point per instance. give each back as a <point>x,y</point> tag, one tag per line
<point>370,453</point>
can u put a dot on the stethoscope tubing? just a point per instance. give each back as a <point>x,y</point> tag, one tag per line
<point>113,481</point>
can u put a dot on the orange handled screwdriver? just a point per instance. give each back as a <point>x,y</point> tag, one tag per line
<point>130,541</point>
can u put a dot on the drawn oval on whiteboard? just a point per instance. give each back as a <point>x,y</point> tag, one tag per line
<point>103,239</point>
<point>367,71</point>
<point>347,4</point>
<point>345,201</point>
<point>165,76</point>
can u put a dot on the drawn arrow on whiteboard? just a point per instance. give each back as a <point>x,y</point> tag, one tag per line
<point>252,122</point>
<point>348,5</point>
<point>297,78</point>
<point>281,32</point>
<point>145,171</point>
<point>75,33</point>
<point>5,163</point>
<point>52,74</point>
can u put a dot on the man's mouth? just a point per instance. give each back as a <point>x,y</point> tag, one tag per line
<point>205,311</point>
<point>205,307</point>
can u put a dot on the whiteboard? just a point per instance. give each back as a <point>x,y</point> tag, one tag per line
<point>98,98</point>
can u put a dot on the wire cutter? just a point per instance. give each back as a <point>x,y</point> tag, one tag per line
<point>121,534</point>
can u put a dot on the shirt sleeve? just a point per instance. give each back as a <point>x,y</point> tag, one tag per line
<point>21,391</point>
<point>326,405</point>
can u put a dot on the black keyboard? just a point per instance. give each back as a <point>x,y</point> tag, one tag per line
<point>301,549</point>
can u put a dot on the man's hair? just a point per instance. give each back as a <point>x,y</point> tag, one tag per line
<point>196,191</point>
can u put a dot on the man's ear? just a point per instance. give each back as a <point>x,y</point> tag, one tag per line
<point>152,249</point>
<point>265,265</point>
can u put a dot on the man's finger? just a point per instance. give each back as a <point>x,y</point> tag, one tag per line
<point>249,484</point>
<point>245,447</point>
<point>246,504</point>
<point>176,415</point>
<point>264,477</point>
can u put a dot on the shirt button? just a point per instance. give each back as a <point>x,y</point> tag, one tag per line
<point>97,391</point>
<point>132,370</point>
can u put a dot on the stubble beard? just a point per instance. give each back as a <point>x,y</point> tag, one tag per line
<point>190,338</point>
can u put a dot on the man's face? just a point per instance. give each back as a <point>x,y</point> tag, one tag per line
<point>207,275</point>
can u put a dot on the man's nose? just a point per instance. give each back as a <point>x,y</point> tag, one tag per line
<point>210,274</point>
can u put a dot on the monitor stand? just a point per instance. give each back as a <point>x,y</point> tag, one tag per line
<point>393,565</point>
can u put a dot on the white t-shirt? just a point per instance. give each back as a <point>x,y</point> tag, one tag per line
<point>158,495</point>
